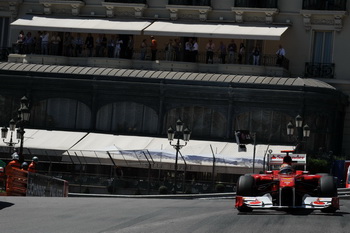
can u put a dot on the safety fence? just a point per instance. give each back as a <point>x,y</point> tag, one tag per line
<point>24,183</point>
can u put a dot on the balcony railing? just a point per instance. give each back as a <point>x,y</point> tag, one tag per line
<point>128,1</point>
<point>319,70</point>
<point>328,5</point>
<point>256,3</point>
<point>190,2</point>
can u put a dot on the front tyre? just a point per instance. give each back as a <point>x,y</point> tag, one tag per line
<point>245,186</point>
<point>327,187</point>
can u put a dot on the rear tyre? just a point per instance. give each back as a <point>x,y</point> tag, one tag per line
<point>327,187</point>
<point>245,186</point>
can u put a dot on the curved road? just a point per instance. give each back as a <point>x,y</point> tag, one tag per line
<point>132,215</point>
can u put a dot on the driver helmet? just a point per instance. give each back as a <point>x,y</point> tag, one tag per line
<point>286,169</point>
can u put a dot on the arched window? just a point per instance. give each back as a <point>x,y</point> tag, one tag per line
<point>203,122</point>
<point>60,113</point>
<point>127,117</point>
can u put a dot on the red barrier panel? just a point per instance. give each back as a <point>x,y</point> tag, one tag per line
<point>16,182</point>
<point>24,183</point>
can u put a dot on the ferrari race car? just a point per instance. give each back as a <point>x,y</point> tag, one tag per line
<point>287,188</point>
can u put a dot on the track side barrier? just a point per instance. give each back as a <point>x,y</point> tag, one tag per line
<point>46,186</point>
<point>23,183</point>
<point>16,184</point>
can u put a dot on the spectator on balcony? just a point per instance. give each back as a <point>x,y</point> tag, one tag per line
<point>188,49</point>
<point>256,55</point>
<point>37,39</point>
<point>98,45</point>
<point>19,42</point>
<point>177,49</point>
<point>222,52</point>
<point>118,47</point>
<point>78,43</point>
<point>111,46</point>
<point>241,53</point>
<point>194,51</point>
<point>101,44</point>
<point>169,50</point>
<point>210,52</point>
<point>89,44</point>
<point>232,49</point>
<point>28,43</point>
<point>281,53</point>
<point>154,47</point>
<point>45,43</point>
<point>129,48</point>
<point>67,44</point>
<point>143,49</point>
<point>55,43</point>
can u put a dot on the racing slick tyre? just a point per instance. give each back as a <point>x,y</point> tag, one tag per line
<point>327,187</point>
<point>245,186</point>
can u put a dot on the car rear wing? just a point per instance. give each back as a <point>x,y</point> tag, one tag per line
<point>277,159</point>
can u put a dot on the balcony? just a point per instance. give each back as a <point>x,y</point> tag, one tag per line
<point>128,1</point>
<point>256,3</point>
<point>325,5</point>
<point>319,70</point>
<point>190,2</point>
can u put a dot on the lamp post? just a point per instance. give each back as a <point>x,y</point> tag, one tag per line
<point>177,134</point>
<point>22,118</point>
<point>303,131</point>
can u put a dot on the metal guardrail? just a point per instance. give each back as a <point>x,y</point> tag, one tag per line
<point>342,193</point>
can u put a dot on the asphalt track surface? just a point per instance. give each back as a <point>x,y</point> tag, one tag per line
<point>130,215</point>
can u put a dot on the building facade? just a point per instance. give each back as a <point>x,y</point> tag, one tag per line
<point>119,87</point>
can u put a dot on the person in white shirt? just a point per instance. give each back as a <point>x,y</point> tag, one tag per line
<point>118,47</point>
<point>210,52</point>
<point>45,43</point>
<point>188,49</point>
<point>194,51</point>
<point>281,53</point>
<point>55,42</point>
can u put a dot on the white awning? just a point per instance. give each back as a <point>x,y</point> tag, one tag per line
<point>82,25</point>
<point>95,148</point>
<point>47,139</point>
<point>215,31</point>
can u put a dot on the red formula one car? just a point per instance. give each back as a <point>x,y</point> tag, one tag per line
<point>287,188</point>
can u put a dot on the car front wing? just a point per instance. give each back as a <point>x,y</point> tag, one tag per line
<point>266,202</point>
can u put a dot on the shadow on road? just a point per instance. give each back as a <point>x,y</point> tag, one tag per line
<point>294,212</point>
<point>4,205</point>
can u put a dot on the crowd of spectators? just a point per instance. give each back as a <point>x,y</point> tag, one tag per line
<point>115,46</point>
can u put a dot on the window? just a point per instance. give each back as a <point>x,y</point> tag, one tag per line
<point>4,35</point>
<point>322,47</point>
<point>256,3</point>
<point>190,2</point>
<point>331,5</point>
<point>128,1</point>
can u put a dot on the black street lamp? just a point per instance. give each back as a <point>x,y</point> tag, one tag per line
<point>22,118</point>
<point>303,131</point>
<point>178,134</point>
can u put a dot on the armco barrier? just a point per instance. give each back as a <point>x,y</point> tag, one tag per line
<point>46,186</point>
<point>342,193</point>
<point>23,183</point>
